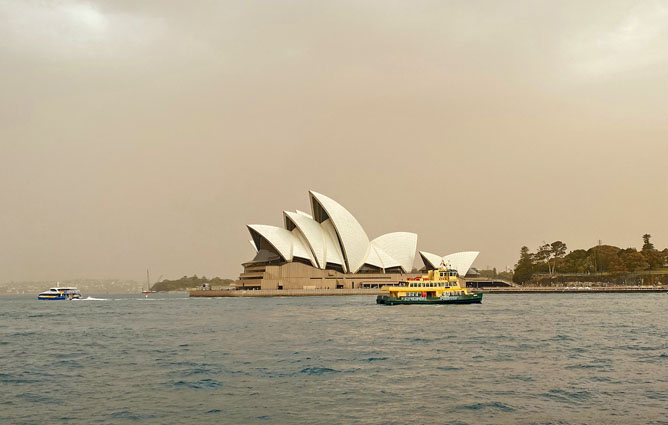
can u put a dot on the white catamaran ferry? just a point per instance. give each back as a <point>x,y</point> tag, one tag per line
<point>58,293</point>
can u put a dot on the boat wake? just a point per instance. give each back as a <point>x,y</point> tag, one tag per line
<point>161,299</point>
<point>93,299</point>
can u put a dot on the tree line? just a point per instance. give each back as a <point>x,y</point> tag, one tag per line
<point>552,259</point>
<point>189,282</point>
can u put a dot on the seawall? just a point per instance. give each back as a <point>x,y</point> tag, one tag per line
<point>337,292</point>
<point>578,290</point>
<point>284,292</point>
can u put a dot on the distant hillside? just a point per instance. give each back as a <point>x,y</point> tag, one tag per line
<point>189,282</point>
<point>87,286</point>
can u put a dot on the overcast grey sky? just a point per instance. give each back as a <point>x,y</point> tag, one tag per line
<point>147,134</point>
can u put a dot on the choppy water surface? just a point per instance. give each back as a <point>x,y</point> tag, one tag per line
<point>561,359</point>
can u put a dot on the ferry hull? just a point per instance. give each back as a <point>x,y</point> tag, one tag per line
<point>460,299</point>
<point>58,298</point>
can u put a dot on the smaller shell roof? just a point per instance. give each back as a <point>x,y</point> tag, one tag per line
<point>400,246</point>
<point>460,261</point>
<point>313,233</point>
<point>379,258</point>
<point>431,260</point>
<point>281,239</point>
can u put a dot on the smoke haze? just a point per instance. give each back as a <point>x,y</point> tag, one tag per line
<point>140,135</point>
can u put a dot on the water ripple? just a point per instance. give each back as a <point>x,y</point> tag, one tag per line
<point>321,360</point>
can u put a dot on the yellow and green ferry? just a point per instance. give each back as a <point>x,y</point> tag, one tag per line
<point>440,286</point>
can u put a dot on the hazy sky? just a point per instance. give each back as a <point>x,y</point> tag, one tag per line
<point>148,134</point>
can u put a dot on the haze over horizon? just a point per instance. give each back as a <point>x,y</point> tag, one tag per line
<point>147,135</point>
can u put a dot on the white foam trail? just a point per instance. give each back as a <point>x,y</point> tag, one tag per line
<point>161,299</point>
<point>94,299</point>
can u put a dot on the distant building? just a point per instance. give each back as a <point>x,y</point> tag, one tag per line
<point>329,249</point>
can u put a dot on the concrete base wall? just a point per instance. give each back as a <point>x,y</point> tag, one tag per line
<point>304,277</point>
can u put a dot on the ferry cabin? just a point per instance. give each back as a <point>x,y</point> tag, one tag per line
<point>437,283</point>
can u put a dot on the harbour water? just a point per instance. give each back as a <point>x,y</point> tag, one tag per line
<point>520,358</point>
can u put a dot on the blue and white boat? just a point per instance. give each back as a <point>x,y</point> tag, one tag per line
<point>58,293</point>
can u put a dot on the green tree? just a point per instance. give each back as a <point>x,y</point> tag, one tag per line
<point>602,255</point>
<point>633,260</point>
<point>616,265</point>
<point>542,258</point>
<point>654,258</point>
<point>524,267</point>
<point>575,261</point>
<point>557,251</point>
<point>647,245</point>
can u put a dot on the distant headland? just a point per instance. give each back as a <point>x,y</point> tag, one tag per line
<point>185,283</point>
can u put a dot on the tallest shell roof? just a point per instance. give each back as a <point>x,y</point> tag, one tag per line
<point>353,238</point>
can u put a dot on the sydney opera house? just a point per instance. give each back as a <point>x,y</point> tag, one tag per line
<point>329,249</point>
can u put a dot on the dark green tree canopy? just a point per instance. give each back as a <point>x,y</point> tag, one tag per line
<point>552,258</point>
<point>647,245</point>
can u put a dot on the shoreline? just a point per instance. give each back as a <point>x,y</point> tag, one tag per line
<point>349,292</point>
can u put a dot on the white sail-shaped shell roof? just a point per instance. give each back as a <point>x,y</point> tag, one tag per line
<point>431,260</point>
<point>333,252</point>
<point>400,246</point>
<point>353,240</point>
<point>303,213</point>
<point>379,258</point>
<point>313,233</point>
<point>300,248</point>
<point>288,244</point>
<point>281,239</point>
<point>460,261</point>
<point>373,259</point>
<point>331,235</point>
